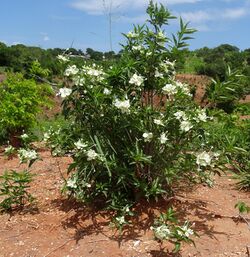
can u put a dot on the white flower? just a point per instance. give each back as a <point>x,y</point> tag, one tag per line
<point>132,34</point>
<point>203,159</point>
<point>121,220</point>
<point>80,145</point>
<point>24,136</point>
<point>64,92</point>
<point>180,115</point>
<point>147,136</point>
<point>158,74</point>
<point>158,122</point>
<point>163,138</point>
<point>94,72</point>
<point>162,232</point>
<point>185,125</point>
<point>71,70</point>
<point>91,155</point>
<point>183,87</point>
<point>27,155</point>
<point>202,116</point>
<point>185,230</point>
<point>106,91</point>
<point>161,35</point>
<point>136,80</point>
<point>79,81</point>
<point>122,105</point>
<point>169,89</point>
<point>71,183</point>
<point>148,54</point>
<point>62,58</point>
<point>46,136</point>
<point>137,48</point>
<point>167,62</point>
<point>9,150</point>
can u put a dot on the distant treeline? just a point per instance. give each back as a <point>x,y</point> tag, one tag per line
<point>213,62</point>
<point>205,61</point>
<point>18,58</point>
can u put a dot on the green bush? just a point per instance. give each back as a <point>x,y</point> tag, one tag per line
<point>133,126</point>
<point>231,136</point>
<point>225,94</point>
<point>21,101</point>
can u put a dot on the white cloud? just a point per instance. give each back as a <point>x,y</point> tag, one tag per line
<point>96,7</point>
<point>203,16</point>
<point>235,13</point>
<point>198,16</point>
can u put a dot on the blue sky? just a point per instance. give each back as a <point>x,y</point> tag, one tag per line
<point>59,23</point>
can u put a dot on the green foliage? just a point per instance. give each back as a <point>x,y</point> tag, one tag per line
<point>21,101</point>
<point>14,188</point>
<point>191,64</point>
<point>124,144</point>
<point>231,136</point>
<point>224,94</point>
<point>216,60</point>
<point>242,109</point>
<point>242,207</point>
<point>37,71</point>
<point>167,227</point>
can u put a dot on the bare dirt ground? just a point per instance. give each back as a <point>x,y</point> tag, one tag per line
<point>58,227</point>
<point>199,81</point>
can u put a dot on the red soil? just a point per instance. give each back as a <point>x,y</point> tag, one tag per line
<point>59,227</point>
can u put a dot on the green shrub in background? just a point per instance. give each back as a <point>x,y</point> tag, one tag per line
<point>21,101</point>
<point>226,93</point>
<point>231,136</point>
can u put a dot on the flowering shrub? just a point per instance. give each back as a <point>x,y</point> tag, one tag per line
<point>133,126</point>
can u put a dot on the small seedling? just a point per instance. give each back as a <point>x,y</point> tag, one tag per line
<point>14,189</point>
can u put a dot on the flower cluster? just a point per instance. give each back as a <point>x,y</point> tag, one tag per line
<point>147,136</point>
<point>123,105</point>
<point>71,70</point>
<point>175,87</point>
<point>162,232</point>
<point>92,155</point>
<point>62,58</point>
<point>80,144</point>
<point>205,159</point>
<point>94,72</point>
<point>9,150</point>
<point>185,124</point>
<point>136,80</point>
<point>132,35</point>
<point>27,155</point>
<point>185,230</point>
<point>64,92</point>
